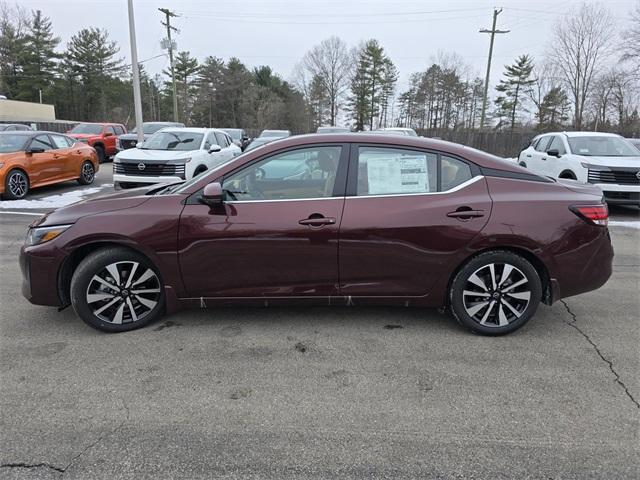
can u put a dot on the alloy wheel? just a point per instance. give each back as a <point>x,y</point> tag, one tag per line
<point>496,294</point>
<point>87,172</point>
<point>123,292</point>
<point>18,185</point>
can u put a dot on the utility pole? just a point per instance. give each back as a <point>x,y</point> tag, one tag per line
<point>168,13</point>
<point>137,99</point>
<point>493,32</point>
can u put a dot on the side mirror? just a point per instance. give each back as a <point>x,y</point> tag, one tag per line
<point>108,134</point>
<point>35,150</point>
<point>553,153</point>
<point>214,148</point>
<point>212,194</point>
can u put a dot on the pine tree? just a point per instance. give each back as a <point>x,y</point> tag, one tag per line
<point>12,41</point>
<point>185,69</point>
<point>513,87</point>
<point>38,59</point>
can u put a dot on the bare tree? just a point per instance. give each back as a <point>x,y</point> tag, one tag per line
<point>332,63</point>
<point>631,39</point>
<point>580,44</point>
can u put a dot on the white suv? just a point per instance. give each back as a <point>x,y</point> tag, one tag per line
<point>605,159</point>
<point>172,155</point>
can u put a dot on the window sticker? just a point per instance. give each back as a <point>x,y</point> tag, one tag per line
<point>396,173</point>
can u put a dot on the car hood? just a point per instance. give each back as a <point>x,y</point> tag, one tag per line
<point>92,206</point>
<point>138,154</point>
<point>82,135</point>
<point>627,162</point>
<point>132,136</point>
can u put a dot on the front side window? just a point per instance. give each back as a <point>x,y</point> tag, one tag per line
<point>221,140</point>
<point>541,145</point>
<point>211,140</point>
<point>297,174</point>
<point>42,141</point>
<point>557,144</point>
<point>110,129</point>
<point>60,142</point>
<point>384,171</point>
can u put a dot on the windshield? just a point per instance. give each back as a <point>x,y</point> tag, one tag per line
<point>274,133</point>
<point>234,133</point>
<point>179,141</point>
<point>183,186</point>
<point>87,128</point>
<point>12,143</point>
<point>602,147</point>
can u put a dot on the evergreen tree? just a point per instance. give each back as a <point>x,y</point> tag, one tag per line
<point>12,41</point>
<point>38,59</point>
<point>91,65</point>
<point>513,88</point>
<point>186,68</point>
<point>553,111</point>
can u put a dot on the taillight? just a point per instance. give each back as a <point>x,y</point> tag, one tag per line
<point>594,214</point>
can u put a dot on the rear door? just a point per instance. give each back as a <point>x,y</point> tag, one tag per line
<point>276,235</point>
<point>67,158</point>
<point>44,166</point>
<point>407,215</point>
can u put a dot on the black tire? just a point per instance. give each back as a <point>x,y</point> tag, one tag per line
<point>16,185</point>
<point>100,151</point>
<point>87,173</point>
<point>471,310</point>
<point>113,313</point>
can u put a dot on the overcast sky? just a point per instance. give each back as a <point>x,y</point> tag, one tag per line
<point>279,32</point>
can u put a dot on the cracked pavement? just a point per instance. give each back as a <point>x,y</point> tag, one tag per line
<point>322,392</point>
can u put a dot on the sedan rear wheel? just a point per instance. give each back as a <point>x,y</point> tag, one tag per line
<point>116,290</point>
<point>495,293</point>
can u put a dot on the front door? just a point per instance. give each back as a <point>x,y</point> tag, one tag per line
<point>43,166</point>
<point>276,235</point>
<point>407,216</point>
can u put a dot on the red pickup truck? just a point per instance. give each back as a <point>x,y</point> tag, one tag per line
<point>101,136</point>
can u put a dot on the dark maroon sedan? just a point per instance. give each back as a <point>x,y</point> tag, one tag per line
<point>332,219</point>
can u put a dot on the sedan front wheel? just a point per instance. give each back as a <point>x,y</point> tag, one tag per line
<point>116,289</point>
<point>495,293</point>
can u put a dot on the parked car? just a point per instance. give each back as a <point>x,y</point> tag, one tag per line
<point>332,219</point>
<point>260,141</point>
<point>604,159</point>
<point>275,133</point>
<point>13,127</point>
<point>239,137</point>
<point>398,131</point>
<point>173,155</point>
<point>101,136</point>
<point>130,140</point>
<point>325,130</point>
<point>30,159</point>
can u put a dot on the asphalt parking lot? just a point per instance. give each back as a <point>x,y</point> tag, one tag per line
<point>319,392</point>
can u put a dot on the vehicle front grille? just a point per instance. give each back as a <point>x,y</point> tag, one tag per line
<point>621,177</point>
<point>150,169</point>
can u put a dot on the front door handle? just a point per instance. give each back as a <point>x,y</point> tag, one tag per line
<point>543,158</point>
<point>528,156</point>
<point>466,214</point>
<point>317,221</point>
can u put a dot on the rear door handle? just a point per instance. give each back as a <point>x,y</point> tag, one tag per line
<point>317,221</point>
<point>465,214</point>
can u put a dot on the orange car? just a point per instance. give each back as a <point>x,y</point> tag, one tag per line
<point>34,159</point>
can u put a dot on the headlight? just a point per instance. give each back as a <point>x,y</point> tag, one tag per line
<point>186,160</point>
<point>39,235</point>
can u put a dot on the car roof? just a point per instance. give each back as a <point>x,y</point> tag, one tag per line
<point>192,129</point>
<point>581,134</point>
<point>30,132</point>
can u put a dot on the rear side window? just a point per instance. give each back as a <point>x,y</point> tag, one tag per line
<point>60,141</point>
<point>453,172</point>
<point>391,171</point>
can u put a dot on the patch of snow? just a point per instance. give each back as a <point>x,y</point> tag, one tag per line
<point>52,201</point>
<point>628,224</point>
